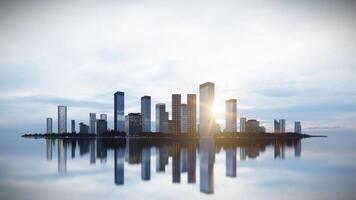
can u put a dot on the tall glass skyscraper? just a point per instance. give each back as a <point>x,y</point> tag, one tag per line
<point>92,122</point>
<point>176,110</point>
<point>206,102</point>
<point>49,125</point>
<point>242,124</point>
<point>230,115</point>
<point>73,126</point>
<point>161,117</point>
<point>62,119</point>
<point>183,119</point>
<point>119,111</point>
<point>192,113</point>
<point>146,113</point>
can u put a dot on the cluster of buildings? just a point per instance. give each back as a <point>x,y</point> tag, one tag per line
<point>183,117</point>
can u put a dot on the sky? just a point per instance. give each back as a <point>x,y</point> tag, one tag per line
<point>280,59</point>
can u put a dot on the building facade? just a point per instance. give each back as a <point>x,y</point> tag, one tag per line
<point>183,119</point>
<point>134,123</point>
<point>49,121</point>
<point>146,113</point>
<point>73,126</point>
<point>161,117</point>
<point>92,122</point>
<point>231,115</point>
<point>206,103</point>
<point>119,111</point>
<point>242,124</point>
<point>62,119</point>
<point>282,124</point>
<point>276,126</point>
<point>176,114</point>
<point>297,127</point>
<point>101,126</point>
<point>83,128</point>
<point>192,113</point>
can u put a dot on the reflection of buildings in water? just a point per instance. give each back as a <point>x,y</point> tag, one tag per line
<point>176,163</point>
<point>297,148</point>
<point>279,150</point>
<point>231,162</point>
<point>101,151</point>
<point>207,159</point>
<point>83,147</point>
<point>161,158</point>
<point>62,156</point>
<point>242,153</point>
<point>133,152</point>
<point>192,159</point>
<point>49,149</point>
<point>92,151</point>
<point>119,156</point>
<point>146,163</point>
<point>183,159</point>
<point>73,145</point>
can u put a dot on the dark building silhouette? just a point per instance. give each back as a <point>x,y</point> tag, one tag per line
<point>119,111</point>
<point>276,126</point>
<point>146,113</point>
<point>83,128</point>
<point>133,123</point>
<point>92,152</point>
<point>73,126</point>
<point>192,113</point>
<point>162,118</point>
<point>161,158</point>
<point>176,114</point>
<point>253,126</point>
<point>101,126</point>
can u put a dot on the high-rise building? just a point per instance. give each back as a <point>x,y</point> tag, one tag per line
<point>146,113</point>
<point>277,126</point>
<point>83,128</point>
<point>119,111</point>
<point>73,126</point>
<point>104,117</point>
<point>176,110</point>
<point>161,117</point>
<point>253,126</point>
<point>101,126</point>
<point>183,119</point>
<point>282,123</point>
<point>206,103</point>
<point>62,119</point>
<point>297,127</point>
<point>243,124</point>
<point>134,123</point>
<point>49,121</point>
<point>192,113</point>
<point>231,115</point>
<point>92,122</point>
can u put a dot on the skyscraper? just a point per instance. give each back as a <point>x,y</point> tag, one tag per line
<point>231,115</point>
<point>73,126</point>
<point>146,113</point>
<point>206,103</point>
<point>282,123</point>
<point>276,126</point>
<point>92,122</point>
<point>134,123</point>
<point>192,113</point>
<point>83,128</point>
<point>176,110</point>
<point>101,126</point>
<point>49,125</point>
<point>119,111</point>
<point>161,117</point>
<point>297,127</point>
<point>62,119</point>
<point>183,119</point>
<point>104,117</point>
<point>243,124</point>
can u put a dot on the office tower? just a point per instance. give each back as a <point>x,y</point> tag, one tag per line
<point>207,159</point>
<point>176,110</point>
<point>206,103</point>
<point>231,115</point>
<point>192,113</point>
<point>183,119</point>
<point>146,164</point>
<point>282,123</point>
<point>297,127</point>
<point>146,113</point>
<point>119,111</point>
<point>277,127</point>
<point>62,156</point>
<point>73,126</point>
<point>134,123</point>
<point>83,128</point>
<point>161,117</point>
<point>101,126</point>
<point>119,156</point>
<point>92,122</point>
<point>104,117</point>
<point>49,125</point>
<point>231,162</point>
<point>243,124</point>
<point>62,119</point>
<point>253,126</point>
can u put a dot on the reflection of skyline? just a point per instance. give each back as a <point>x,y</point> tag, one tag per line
<point>183,156</point>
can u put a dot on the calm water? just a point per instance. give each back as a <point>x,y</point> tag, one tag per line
<point>315,168</point>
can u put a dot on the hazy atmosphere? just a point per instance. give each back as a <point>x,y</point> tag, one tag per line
<point>279,59</point>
